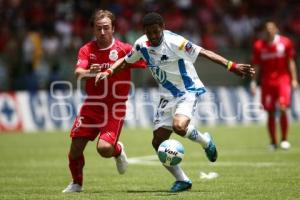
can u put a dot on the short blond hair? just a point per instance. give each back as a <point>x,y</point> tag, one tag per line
<point>100,14</point>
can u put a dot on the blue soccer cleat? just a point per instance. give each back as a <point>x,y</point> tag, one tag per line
<point>180,186</point>
<point>211,150</point>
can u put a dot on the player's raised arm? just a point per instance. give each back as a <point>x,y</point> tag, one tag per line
<point>237,68</point>
<point>117,66</point>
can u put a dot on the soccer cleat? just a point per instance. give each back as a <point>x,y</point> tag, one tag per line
<point>73,187</point>
<point>211,150</point>
<point>121,160</point>
<point>273,147</point>
<point>285,145</point>
<point>180,186</point>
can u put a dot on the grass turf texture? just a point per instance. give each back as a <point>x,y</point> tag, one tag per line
<point>34,166</point>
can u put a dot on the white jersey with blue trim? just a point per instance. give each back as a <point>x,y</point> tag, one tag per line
<point>171,64</point>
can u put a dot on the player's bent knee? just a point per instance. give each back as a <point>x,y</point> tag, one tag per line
<point>105,151</point>
<point>283,109</point>
<point>180,129</point>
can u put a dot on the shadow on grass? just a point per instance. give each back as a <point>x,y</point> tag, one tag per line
<point>138,192</point>
<point>161,192</point>
<point>152,192</point>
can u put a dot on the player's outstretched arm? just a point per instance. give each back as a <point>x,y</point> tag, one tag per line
<point>117,66</point>
<point>253,84</point>
<point>237,68</point>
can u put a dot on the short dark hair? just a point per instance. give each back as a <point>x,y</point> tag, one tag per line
<point>152,18</point>
<point>99,14</point>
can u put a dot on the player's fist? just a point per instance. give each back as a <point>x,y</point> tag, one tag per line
<point>243,70</point>
<point>100,76</point>
<point>95,68</point>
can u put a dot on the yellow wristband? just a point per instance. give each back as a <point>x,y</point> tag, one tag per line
<point>229,65</point>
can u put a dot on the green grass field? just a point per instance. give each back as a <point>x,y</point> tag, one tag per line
<point>34,166</point>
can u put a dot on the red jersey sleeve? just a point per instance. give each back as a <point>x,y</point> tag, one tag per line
<point>83,59</point>
<point>139,64</point>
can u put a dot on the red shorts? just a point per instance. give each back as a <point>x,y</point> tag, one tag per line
<point>276,94</point>
<point>104,120</point>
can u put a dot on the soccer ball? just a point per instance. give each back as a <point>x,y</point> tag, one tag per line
<point>170,152</point>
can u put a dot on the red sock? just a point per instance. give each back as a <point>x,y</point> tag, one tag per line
<point>76,168</point>
<point>284,126</point>
<point>118,150</point>
<point>272,128</point>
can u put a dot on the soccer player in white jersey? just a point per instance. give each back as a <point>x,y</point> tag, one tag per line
<point>170,59</point>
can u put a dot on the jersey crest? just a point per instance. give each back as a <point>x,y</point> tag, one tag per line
<point>113,55</point>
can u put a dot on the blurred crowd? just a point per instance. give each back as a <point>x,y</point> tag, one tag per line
<point>39,39</point>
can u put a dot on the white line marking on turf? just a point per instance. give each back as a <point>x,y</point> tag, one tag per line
<point>144,160</point>
<point>153,160</point>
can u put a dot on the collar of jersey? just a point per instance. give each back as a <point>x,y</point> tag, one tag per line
<point>112,43</point>
<point>276,38</point>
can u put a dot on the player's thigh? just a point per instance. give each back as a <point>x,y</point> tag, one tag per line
<point>186,105</point>
<point>185,109</point>
<point>85,127</point>
<point>269,97</point>
<point>164,113</point>
<point>112,130</point>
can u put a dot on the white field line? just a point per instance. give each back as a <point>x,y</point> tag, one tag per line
<point>153,160</point>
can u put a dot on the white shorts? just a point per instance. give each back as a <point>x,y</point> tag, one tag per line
<point>168,108</point>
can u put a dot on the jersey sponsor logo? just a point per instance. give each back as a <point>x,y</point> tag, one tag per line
<point>267,56</point>
<point>104,66</point>
<point>158,74</point>
<point>279,53</point>
<point>113,55</point>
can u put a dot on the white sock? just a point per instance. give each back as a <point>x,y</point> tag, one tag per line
<point>177,172</point>
<point>196,136</point>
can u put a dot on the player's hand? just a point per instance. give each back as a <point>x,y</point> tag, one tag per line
<point>244,70</point>
<point>100,76</point>
<point>95,68</point>
<point>295,84</point>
